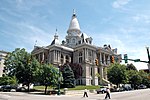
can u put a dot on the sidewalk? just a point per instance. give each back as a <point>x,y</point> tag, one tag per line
<point>79,92</point>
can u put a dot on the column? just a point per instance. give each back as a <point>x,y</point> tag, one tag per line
<point>108,59</point>
<point>86,54</point>
<point>54,55</point>
<point>64,61</point>
<point>39,57</point>
<point>101,74</point>
<point>104,59</point>
<point>42,56</point>
<point>105,73</point>
<point>100,58</point>
<point>59,57</point>
<point>48,57</point>
<point>69,59</point>
<point>95,77</point>
<point>83,55</point>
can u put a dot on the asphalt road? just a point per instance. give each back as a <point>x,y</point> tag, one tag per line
<point>127,95</point>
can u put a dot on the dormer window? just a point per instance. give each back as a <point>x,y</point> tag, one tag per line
<point>90,42</point>
<point>79,42</point>
<point>86,41</point>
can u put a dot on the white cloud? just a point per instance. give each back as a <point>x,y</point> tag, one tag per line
<point>125,44</point>
<point>141,54</point>
<point>19,2</point>
<point>141,18</point>
<point>120,3</point>
<point>35,33</point>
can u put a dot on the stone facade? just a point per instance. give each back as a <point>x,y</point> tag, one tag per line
<point>2,59</point>
<point>78,48</point>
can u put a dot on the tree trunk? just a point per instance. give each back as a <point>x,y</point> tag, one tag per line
<point>45,89</point>
<point>28,87</point>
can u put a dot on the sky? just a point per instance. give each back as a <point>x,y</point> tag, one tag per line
<point>124,24</point>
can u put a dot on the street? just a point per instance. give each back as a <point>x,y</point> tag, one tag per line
<point>143,94</point>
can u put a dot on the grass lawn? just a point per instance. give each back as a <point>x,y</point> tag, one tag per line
<point>42,88</point>
<point>76,88</point>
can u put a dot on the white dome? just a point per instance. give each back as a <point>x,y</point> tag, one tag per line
<point>74,24</point>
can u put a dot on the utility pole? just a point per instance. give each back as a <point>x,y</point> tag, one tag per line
<point>147,48</point>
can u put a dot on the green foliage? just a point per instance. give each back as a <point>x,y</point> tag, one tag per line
<point>80,87</point>
<point>89,87</point>
<point>22,65</point>
<point>117,73</point>
<point>131,67</point>
<point>6,80</point>
<point>120,74</point>
<point>134,78</point>
<point>98,75</point>
<point>77,69</point>
<point>68,76</point>
<point>145,78</point>
<point>48,75</point>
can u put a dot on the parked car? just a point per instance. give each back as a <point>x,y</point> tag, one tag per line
<point>142,86</point>
<point>101,90</point>
<point>0,88</point>
<point>6,88</point>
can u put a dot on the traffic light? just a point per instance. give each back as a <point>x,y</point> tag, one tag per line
<point>126,58</point>
<point>96,62</point>
<point>112,59</point>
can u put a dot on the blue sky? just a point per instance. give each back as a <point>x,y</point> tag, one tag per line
<point>124,24</point>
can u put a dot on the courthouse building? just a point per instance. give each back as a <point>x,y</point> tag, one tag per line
<point>78,48</point>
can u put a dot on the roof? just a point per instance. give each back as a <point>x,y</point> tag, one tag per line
<point>74,24</point>
<point>84,35</point>
<point>55,41</point>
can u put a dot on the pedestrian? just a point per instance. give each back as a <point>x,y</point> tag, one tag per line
<point>85,93</point>
<point>107,93</point>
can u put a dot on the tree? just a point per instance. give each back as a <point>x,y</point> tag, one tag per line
<point>117,74</point>
<point>48,75</point>
<point>134,78</point>
<point>145,78</point>
<point>6,80</point>
<point>131,67</point>
<point>77,70</point>
<point>22,65</point>
<point>68,77</point>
